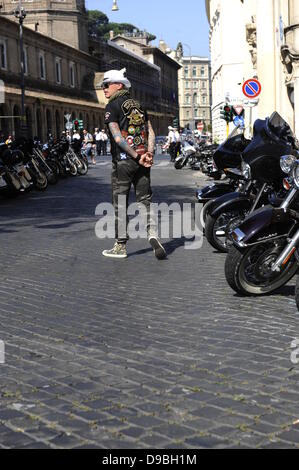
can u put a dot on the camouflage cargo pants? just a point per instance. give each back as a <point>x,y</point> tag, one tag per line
<point>125,174</point>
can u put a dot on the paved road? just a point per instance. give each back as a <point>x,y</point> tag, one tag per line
<point>134,353</point>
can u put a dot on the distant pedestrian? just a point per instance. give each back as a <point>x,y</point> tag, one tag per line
<point>177,148</point>
<point>172,143</point>
<point>87,145</point>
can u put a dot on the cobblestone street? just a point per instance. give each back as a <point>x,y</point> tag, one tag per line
<point>134,353</point>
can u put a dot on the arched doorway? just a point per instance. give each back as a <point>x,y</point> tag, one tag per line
<point>16,121</point>
<point>4,124</point>
<point>49,121</point>
<point>57,123</point>
<point>29,122</point>
<point>39,124</point>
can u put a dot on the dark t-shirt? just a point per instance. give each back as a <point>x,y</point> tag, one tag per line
<point>132,120</point>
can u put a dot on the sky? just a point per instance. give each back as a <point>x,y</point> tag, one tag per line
<point>171,20</point>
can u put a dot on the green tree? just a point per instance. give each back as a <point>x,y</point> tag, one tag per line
<point>99,26</point>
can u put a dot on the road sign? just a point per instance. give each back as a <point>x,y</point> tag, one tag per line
<point>69,126</point>
<point>68,117</point>
<point>238,109</point>
<point>239,121</point>
<point>252,88</point>
<point>200,126</point>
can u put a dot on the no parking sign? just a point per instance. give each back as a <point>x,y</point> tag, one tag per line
<point>252,88</point>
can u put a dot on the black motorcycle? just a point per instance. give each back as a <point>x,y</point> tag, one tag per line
<point>227,159</point>
<point>264,254</point>
<point>261,169</point>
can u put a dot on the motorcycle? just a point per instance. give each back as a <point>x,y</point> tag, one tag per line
<point>261,169</point>
<point>227,159</point>
<point>264,255</point>
<point>187,157</point>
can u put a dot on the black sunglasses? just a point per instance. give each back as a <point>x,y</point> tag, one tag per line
<point>106,85</point>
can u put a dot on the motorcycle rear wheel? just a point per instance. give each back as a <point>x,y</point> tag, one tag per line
<point>248,271</point>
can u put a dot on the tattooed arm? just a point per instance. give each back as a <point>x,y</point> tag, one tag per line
<point>144,160</point>
<point>151,138</point>
<point>120,141</point>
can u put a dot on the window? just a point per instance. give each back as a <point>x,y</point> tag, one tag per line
<point>72,74</point>
<point>188,114</point>
<point>194,84</point>
<point>195,98</point>
<point>25,60</point>
<point>42,66</point>
<point>194,72</point>
<point>186,84</point>
<point>58,70</point>
<point>204,99</point>
<point>186,71</point>
<point>203,114</point>
<point>3,57</point>
<point>202,71</point>
<point>203,84</point>
<point>187,99</point>
<point>196,112</point>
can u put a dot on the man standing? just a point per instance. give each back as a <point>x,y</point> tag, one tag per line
<point>172,143</point>
<point>87,145</point>
<point>104,138</point>
<point>132,146</point>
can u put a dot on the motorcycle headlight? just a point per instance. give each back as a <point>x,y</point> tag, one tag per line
<point>296,174</point>
<point>287,163</point>
<point>246,171</point>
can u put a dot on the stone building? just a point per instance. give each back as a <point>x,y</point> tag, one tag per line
<point>63,69</point>
<point>253,38</point>
<point>194,87</point>
<point>138,44</point>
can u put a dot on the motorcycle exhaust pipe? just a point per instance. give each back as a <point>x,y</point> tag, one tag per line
<point>287,253</point>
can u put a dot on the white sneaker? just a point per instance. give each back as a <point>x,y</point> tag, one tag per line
<point>119,251</point>
<point>157,246</point>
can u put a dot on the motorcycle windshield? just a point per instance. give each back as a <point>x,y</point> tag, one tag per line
<point>228,154</point>
<point>272,138</point>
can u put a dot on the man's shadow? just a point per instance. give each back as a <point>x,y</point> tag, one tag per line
<point>169,246</point>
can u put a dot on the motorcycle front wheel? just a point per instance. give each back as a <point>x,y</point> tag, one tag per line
<point>40,181</point>
<point>218,228</point>
<point>82,167</point>
<point>248,271</point>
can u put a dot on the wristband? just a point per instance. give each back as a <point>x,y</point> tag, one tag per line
<point>137,158</point>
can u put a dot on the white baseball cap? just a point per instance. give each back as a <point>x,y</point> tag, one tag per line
<point>116,76</point>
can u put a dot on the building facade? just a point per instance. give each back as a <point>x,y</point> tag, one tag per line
<point>255,39</point>
<point>194,83</point>
<point>137,43</point>
<point>62,75</point>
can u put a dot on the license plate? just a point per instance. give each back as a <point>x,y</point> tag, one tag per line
<point>2,182</point>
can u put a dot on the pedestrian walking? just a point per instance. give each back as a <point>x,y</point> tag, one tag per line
<point>172,142</point>
<point>177,148</point>
<point>132,147</point>
<point>104,140</point>
<point>87,145</point>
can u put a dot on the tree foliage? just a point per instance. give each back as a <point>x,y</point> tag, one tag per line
<point>99,26</point>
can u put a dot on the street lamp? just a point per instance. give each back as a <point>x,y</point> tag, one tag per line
<point>20,14</point>
<point>192,98</point>
<point>115,6</point>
